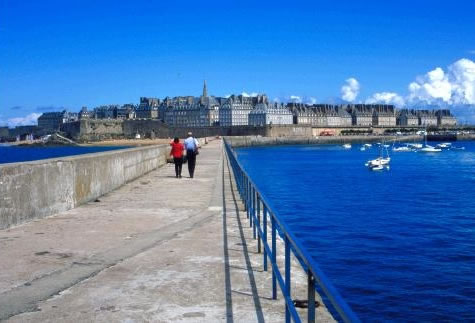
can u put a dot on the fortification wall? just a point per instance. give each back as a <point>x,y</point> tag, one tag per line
<point>246,141</point>
<point>93,130</point>
<point>146,129</point>
<point>31,190</point>
<point>96,130</point>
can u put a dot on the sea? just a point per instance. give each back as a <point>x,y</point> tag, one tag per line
<point>13,154</point>
<point>398,244</point>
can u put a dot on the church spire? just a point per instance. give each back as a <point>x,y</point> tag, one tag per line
<point>205,90</point>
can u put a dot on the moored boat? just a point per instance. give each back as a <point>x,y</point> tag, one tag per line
<point>430,149</point>
<point>402,148</point>
<point>444,145</point>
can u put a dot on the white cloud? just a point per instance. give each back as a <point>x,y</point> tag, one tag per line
<point>386,98</point>
<point>455,86</point>
<point>31,119</point>
<point>276,99</point>
<point>247,95</point>
<point>350,90</point>
<point>311,100</point>
<point>295,98</point>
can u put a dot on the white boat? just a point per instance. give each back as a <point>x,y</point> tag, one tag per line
<point>380,167</point>
<point>415,146</point>
<point>380,161</point>
<point>368,145</point>
<point>363,148</point>
<point>402,148</point>
<point>347,146</point>
<point>444,145</point>
<point>430,149</point>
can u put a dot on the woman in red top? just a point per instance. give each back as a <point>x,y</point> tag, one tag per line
<point>177,153</point>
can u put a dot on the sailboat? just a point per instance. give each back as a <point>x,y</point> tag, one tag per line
<point>380,162</point>
<point>428,148</point>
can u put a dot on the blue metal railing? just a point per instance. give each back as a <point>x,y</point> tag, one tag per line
<point>253,202</point>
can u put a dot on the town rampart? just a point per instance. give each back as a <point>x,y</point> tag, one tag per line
<point>96,130</point>
<point>247,141</point>
<point>31,190</point>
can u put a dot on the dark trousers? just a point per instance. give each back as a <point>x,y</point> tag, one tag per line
<point>178,164</point>
<point>191,157</point>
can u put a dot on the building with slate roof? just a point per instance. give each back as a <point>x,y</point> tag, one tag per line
<point>192,111</point>
<point>268,114</point>
<point>427,118</point>
<point>148,108</point>
<point>445,118</point>
<point>384,115</point>
<point>54,120</point>
<point>361,114</point>
<point>235,111</point>
<point>407,118</point>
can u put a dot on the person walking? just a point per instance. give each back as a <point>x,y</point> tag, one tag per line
<point>191,146</point>
<point>177,153</point>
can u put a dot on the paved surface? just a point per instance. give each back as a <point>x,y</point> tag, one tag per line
<point>158,249</point>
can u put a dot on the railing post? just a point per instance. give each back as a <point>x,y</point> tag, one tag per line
<point>264,224</point>
<point>252,207</point>
<point>254,213</point>
<point>241,181</point>
<point>310,297</point>
<point>258,223</point>
<point>274,258</point>
<point>248,196</point>
<point>287,277</point>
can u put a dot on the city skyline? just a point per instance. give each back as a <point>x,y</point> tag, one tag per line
<point>70,55</point>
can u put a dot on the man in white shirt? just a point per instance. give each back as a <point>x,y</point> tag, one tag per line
<point>191,147</point>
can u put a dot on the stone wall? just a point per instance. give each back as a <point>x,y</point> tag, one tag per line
<point>100,129</point>
<point>146,128</point>
<point>247,141</point>
<point>31,190</point>
<point>93,130</point>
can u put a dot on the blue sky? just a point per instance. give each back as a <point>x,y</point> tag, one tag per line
<point>86,53</point>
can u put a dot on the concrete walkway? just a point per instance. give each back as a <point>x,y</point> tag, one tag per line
<point>158,249</point>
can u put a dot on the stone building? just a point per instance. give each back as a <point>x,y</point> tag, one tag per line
<point>445,118</point>
<point>52,121</point>
<point>427,118</point>
<point>127,111</point>
<point>361,114</point>
<point>84,114</point>
<point>235,111</point>
<point>192,111</point>
<point>105,112</point>
<point>270,114</point>
<point>301,113</point>
<point>320,115</point>
<point>407,118</point>
<point>329,115</point>
<point>148,108</point>
<point>384,115</point>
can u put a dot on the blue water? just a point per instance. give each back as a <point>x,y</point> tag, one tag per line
<point>11,154</point>
<point>399,245</point>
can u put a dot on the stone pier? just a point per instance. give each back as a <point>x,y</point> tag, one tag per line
<point>157,249</point>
